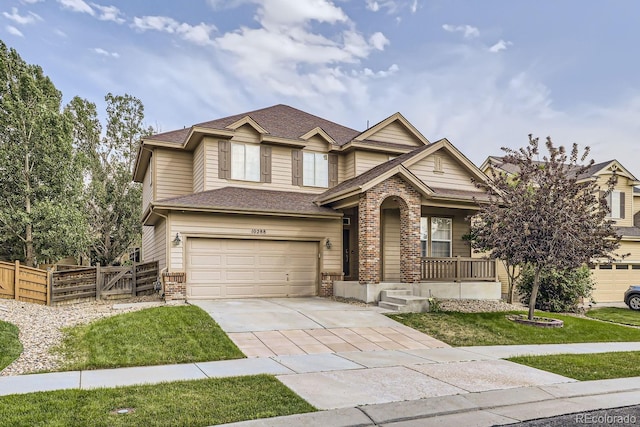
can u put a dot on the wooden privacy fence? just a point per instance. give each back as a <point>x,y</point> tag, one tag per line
<point>24,283</point>
<point>98,282</point>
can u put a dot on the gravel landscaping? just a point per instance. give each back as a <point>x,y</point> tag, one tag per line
<point>40,327</point>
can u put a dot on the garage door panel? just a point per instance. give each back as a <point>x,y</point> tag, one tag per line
<point>611,283</point>
<point>235,268</point>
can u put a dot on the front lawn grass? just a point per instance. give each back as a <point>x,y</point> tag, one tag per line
<point>624,316</point>
<point>10,346</point>
<point>183,403</point>
<point>469,329</point>
<point>586,367</point>
<point>155,336</point>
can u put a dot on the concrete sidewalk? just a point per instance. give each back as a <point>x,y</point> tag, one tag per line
<point>345,379</point>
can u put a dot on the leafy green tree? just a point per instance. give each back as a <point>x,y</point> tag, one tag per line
<point>545,216</point>
<point>113,200</point>
<point>41,214</point>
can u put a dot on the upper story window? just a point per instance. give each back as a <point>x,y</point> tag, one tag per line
<point>315,169</point>
<point>615,201</point>
<point>245,162</point>
<point>436,237</point>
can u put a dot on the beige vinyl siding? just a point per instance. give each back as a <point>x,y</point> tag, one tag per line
<point>174,173</point>
<point>154,243</point>
<point>347,168</point>
<point>623,185</point>
<point>453,175</point>
<point>147,188</point>
<point>241,226</point>
<point>280,169</point>
<point>365,160</point>
<point>391,245</point>
<point>395,133</point>
<point>198,168</point>
<point>636,203</point>
<point>317,143</point>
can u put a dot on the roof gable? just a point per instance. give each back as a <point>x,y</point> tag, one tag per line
<point>319,132</point>
<point>399,123</point>
<point>247,120</point>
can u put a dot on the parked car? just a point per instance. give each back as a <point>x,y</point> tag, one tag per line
<point>632,297</point>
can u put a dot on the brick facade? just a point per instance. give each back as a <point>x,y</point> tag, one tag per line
<point>326,283</point>
<point>408,199</point>
<point>175,288</point>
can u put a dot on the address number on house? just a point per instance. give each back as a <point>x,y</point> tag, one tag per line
<point>258,231</point>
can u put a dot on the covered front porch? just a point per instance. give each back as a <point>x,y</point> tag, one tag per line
<point>397,238</point>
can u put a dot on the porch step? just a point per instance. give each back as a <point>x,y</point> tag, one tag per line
<point>403,301</point>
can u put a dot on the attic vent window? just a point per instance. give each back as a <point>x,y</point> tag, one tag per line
<point>437,164</point>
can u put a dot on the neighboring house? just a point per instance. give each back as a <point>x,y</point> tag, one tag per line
<point>278,202</point>
<point>611,279</point>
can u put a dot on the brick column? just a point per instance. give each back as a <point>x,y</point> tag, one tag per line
<point>410,243</point>
<point>369,238</point>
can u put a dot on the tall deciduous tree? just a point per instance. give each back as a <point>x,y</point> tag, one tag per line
<point>113,200</point>
<point>545,216</point>
<point>41,212</point>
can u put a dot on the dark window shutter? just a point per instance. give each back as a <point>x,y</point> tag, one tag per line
<point>224,159</point>
<point>333,170</point>
<point>621,205</point>
<point>265,163</point>
<point>296,167</point>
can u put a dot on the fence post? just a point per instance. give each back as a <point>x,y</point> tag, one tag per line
<point>49,285</point>
<point>16,281</point>
<point>98,281</point>
<point>495,269</point>
<point>458,272</point>
<point>134,283</point>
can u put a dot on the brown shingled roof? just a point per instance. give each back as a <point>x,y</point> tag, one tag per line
<point>279,120</point>
<point>249,199</point>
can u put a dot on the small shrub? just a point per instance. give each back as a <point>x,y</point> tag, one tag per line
<point>560,290</point>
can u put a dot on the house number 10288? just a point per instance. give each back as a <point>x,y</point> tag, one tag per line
<point>258,231</point>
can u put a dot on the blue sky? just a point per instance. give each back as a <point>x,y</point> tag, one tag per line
<point>484,74</point>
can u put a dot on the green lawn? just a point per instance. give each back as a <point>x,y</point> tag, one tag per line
<point>624,316</point>
<point>184,403</point>
<point>586,367</point>
<point>10,347</point>
<point>154,336</point>
<point>468,329</point>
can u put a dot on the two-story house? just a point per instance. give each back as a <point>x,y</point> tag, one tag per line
<point>278,202</point>
<point>611,279</point>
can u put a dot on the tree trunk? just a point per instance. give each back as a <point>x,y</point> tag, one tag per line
<point>28,233</point>
<point>534,292</point>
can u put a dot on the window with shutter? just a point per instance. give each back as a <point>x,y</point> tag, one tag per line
<point>245,162</point>
<point>615,201</point>
<point>296,167</point>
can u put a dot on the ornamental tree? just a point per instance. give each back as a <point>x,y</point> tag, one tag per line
<point>545,215</point>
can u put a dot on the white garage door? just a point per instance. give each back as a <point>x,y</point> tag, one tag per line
<point>235,268</point>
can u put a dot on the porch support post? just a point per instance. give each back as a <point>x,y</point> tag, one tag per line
<point>369,238</point>
<point>410,239</point>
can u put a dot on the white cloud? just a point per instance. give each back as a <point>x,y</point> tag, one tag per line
<point>373,5</point>
<point>368,72</point>
<point>198,34</point>
<point>109,13</point>
<point>21,20</point>
<point>14,31</point>
<point>77,6</point>
<point>378,40</point>
<point>287,55</point>
<point>467,30</point>
<point>501,45</point>
<point>30,1</point>
<point>104,52</point>
<point>414,6</point>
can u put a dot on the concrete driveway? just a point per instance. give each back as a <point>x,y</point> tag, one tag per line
<point>338,355</point>
<point>294,326</point>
